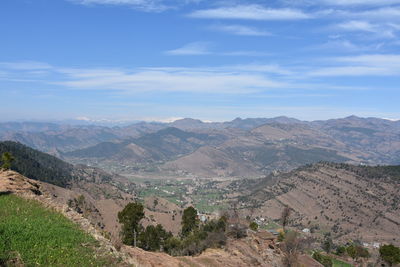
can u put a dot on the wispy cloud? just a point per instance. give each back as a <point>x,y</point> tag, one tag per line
<point>358,2</point>
<point>378,30</point>
<point>246,54</point>
<point>143,5</point>
<point>240,30</point>
<point>250,12</point>
<point>339,45</point>
<point>195,48</point>
<point>204,48</point>
<point>363,65</point>
<point>25,65</point>
<point>187,80</point>
<point>383,14</point>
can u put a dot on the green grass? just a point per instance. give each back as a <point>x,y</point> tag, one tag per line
<point>42,236</point>
<point>271,226</point>
<point>338,263</point>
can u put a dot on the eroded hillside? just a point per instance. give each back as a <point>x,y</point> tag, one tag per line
<point>351,202</point>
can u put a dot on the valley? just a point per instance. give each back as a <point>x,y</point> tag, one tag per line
<point>319,171</point>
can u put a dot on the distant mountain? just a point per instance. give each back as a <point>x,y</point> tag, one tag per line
<point>29,127</point>
<point>264,149</point>
<point>348,201</point>
<point>251,123</point>
<point>163,145</point>
<point>55,138</point>
<point>242,147</point>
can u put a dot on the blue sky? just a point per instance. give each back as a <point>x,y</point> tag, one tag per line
<point>212,60</point>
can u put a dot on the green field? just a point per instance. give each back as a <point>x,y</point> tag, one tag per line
<point>42,237</point>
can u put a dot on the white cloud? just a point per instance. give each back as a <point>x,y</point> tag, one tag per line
<point>204,48</point>
<point>358,2</point>
<point>246,54</point>
<point>339,45</point>
<point>25,65</point>
<point>196,48</point>
<point>145,5</point>
<point>356,25</point>
<point>363,65</point>
<point>378,30</point>
<point>342,3</point>
<point>240,30</point>
<point>205,80</point>
<point>384,14</point>
<point>250,12</point>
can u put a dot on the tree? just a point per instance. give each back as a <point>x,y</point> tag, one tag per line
<point>327,244</point>
<point>285,217</point>
<point>253,226</point>
<point>190,221</point>
<point>291,248</point>
<point>324,260</point>
<point>153,238</point>
<point>356,251</point>
<point>130,217</point>
<point>6,158</point>
<point>390,254</point>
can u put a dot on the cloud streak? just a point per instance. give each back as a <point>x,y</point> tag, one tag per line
<point>192,49</point>
<point>363,65</point>
<point>240,30</point>
<point>250,12</point>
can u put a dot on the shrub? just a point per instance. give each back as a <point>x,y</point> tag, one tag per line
<point>323,259</point>
<point>253,226</point>
<point>390,254</point>
<point>153,238</point>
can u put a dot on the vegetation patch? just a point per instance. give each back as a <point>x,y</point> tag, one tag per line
<point>39,236</point>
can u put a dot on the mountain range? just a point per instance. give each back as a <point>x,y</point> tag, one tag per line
<point>242,147</point>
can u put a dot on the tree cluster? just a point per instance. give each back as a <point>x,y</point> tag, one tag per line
<point>194,237</point>
<point>35,164</point>
<point>390,253</point>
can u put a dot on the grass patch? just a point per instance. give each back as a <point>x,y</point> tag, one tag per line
<point>271,226</point>
<point>42,236</point>
<point>338,263</point>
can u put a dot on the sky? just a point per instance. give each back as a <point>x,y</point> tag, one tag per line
<point>159,60</point>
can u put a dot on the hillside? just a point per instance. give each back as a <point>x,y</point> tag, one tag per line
<point>38,165</point>
<point>163,145</point>
<point>351,202</point>
<point>58,242</point>
<point>247,147</point>
<point>274,146</point>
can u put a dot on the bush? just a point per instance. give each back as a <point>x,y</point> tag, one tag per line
<point>153,238</point>
<point>357,251</point>
<point>390,254</point>
<point>323,259</point>
<point>253,226</point>
<point>340,250</point>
